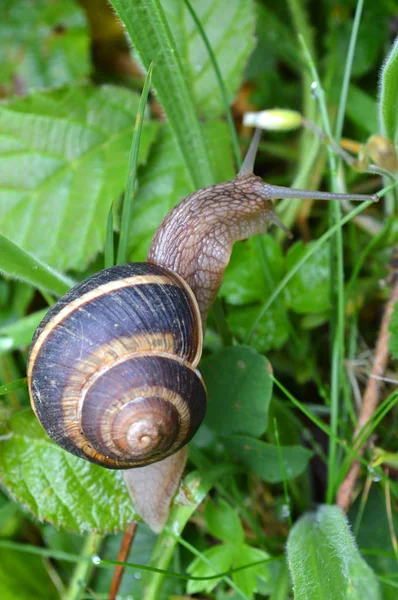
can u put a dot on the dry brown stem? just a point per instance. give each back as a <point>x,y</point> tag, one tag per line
<point>370,397</point>
<point>126,544</point>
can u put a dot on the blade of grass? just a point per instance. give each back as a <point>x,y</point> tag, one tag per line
<point>109,254</point>
<point>208,562</point>
<point>20,332</point>
<point>132,172</point>
<point>150,33</point>
<point>347,71</point>
<point>20,264</point>
<point>322,240</point>
<point>283,471</point>
<point>337,287</point>
<point>15,385</point>
<point>95,560</point>
<point>220,81</point>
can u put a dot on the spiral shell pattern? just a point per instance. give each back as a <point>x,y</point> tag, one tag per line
<point>112,367</point>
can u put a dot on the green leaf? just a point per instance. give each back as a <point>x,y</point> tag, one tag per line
<point>165,181</point>
<point>246,278</point>
<point>272,331</point>
<point>263,459</point>
<point>324,561</point>
<point>309,289</point>
<point>247,579</point>
<point>239,389</point>
<point>24,577</point>
<point>388,98</point>
<point>43,44</point>
<point>58,487</point>
<point>394,332</point>
<point>255,268</point>
<point>229,28</point>
<point>223,522</point>
<point>220,557</point>
<point>72,147</point>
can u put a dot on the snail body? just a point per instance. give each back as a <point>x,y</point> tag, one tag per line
<point>112,368</point>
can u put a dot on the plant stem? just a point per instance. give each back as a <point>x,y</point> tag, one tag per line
<point>84,567</point>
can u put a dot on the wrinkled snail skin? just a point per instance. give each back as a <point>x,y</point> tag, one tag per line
<point>216,217</point>
<point>112,368</point>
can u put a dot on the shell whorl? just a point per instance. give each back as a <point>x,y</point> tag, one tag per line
<point>112,367</point>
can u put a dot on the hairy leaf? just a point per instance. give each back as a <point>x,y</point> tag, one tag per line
<point>324,561</point>
<point>63,162</point>
<point>58,487</point>
<point>388,98</point>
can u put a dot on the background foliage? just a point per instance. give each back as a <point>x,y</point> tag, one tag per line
<point>268,461</point>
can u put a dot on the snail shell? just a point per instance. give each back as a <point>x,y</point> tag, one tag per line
<point>111,369</point>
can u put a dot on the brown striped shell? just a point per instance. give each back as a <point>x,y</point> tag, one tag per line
<point>112,367</point>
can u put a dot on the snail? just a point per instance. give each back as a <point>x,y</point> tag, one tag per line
<point>112,368</point>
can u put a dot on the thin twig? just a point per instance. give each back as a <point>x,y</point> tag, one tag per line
<point>124,551</point>
<point>370,397</point>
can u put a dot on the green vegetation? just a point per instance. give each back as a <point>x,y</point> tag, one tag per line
<point>293,337</point>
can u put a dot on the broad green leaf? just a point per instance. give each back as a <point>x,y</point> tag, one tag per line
<point>43,44</point>
<point>239,389</point>
<point>324,561</point>
<point>58,487</point>
<point>394,332</point>
<point>165,181</point>
<point>388,96</point>
<point>229,27</point>
<point>20,333</point>
<point>24,577</point>
<point>150,33</point>
<point>309,289</point>
<point>223,522</point>
<point>220,557</point>
<point>264,460</point>
<point>247,579</point>
<point>19,264</point>
<point>71,145</point>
